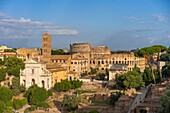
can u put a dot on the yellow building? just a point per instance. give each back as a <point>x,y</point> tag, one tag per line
<point>2,48</point>
<point>57,73</point>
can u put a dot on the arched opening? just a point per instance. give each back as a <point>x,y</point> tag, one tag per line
<point>33,82</point>
<point>43,83</point>
<point>24,82</point>
<point>70,78</point>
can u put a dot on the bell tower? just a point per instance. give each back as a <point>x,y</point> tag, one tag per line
<point>46,47</point>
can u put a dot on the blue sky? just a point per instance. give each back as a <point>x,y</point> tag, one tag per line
<point>119,24</point>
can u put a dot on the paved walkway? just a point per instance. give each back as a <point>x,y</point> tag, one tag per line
<point>141,95</point>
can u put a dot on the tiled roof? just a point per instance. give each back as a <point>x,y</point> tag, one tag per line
<point>60,57</point>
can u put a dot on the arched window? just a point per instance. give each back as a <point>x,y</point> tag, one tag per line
<point>24,82</point>
<point>43,83</point>
<point>33,82</point>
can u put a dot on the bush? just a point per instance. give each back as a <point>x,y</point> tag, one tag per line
<point>5,94</point>
<point>66,85</point>
<point>2,74</point>
<point>114,97</point>
<point>43,105</point>
<point>70,102</point>
<point>100,76</point>
<point>17,103</point>
<point>36,95</point>
<point>49,93</point>
<point>32,108</point>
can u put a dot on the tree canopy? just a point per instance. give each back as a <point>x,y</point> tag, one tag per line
<point>14,65</point>
<point>131,79</point>
<point>166,70</point>
<point>36,95</point>
<point>70,102</point>
<point>150,50</point>
<point>59,52</point>
<point>2,74</point>
<point>6,94</point>
<point>66,85</point>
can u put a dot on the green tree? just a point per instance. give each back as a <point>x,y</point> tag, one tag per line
<point>70,103</point>
<point>93,70</point>
<point>165,103</point>
<point>18,103</point>
<point>147,76</point>
<point>1,62</point>
<point>119,80</point>
<point>16,88</point>
<point>14,65</point>
<point>59,52</point>
<point>165,57</point>
<point>36,95</point>
<point>2,74</point>
<point>166,70</point>
<point>66,85</point>
<point>6,94</point>
<point>133,80</point>
<point>148,53</point>
<point>114,97</point>
<point>101,76</point>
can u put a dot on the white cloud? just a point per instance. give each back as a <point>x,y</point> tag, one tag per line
<point>143,29</point>
<point>159,17</point>
<point>134,18</point>
<point>10,27</point>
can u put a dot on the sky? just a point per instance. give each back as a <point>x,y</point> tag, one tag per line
<point>118,24</point>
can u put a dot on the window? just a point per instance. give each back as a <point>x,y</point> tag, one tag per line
<point>32,71</point>
<point>98,62</point>
<point>102,68</point>
<point>102,62</point>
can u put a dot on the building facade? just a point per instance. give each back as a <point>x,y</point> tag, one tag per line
<point>35,72</point>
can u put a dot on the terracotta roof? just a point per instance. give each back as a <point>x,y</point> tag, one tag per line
<point>57,69</point>
<point>60,57</point>
<point>52,65</point>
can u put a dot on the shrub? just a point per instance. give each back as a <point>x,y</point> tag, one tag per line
<point>36,95</point>
<point>17,103</point>
<point>70,102</point>
<point>5,94</point>
<point>32,108</point>
<point>49,93</point>
<point>43,105</point>
<point>66,85</point>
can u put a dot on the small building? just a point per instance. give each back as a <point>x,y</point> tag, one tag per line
<point>117,69</point>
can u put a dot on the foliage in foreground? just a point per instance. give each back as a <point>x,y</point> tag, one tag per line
<point>70,103</point>
<point>36,95</point>
<point>19,103</point>
<point>114,97</point>
<point>66,85</point>
<point>131,79</point>
<point>165,103</point>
